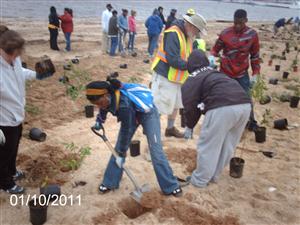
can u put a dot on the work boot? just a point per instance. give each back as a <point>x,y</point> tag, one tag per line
<point>173,132</point>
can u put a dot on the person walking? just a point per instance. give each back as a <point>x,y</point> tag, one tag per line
<point>171,18</point>
<point>226,107</point>
<point>53,27</point>
<point>67,26</point>
<point>170,67</point>
<point>113,31</point>
<point>106,15</point>
<point>132,30</point>
<point>239,43</point>
<point>161,14</point>
<point>154,26</point>
<point>123,29</point>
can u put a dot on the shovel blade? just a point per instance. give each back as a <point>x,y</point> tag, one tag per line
<point>137,194</point>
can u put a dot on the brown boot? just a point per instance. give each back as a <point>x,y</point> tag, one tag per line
<point>173,132</point>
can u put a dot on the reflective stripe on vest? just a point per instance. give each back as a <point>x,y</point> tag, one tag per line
<point>201,45</point>
<point>51,26</point>
<point>174,75</point>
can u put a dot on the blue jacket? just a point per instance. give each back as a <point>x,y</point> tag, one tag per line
<point>154,25</point>
<point>280,23</point>
<point>123,23</point>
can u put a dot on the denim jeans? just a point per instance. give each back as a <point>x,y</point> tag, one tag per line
<point>244,81</point>
<point>68,41</point>
<point>131,41</point>
<point>122,36</point>
<point>152,43</point>
<point>151,128</point>
<point>114,44</point>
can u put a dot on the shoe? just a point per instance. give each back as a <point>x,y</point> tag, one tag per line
<point>177,192</point>
<point>103,189</point>
<point>173,132</point>
<point>184,182</point>
<point>19,175</point>
<point>15,190</point>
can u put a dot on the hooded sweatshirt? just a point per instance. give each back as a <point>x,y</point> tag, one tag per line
<point>53,18</point>
<point>207,89</point>
<point>154,24</point>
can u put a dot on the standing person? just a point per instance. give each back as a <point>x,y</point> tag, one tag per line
<point>154,26</point>
<point>226,107</point>
<point>112,97</point>
<point>281,23</point>
<point>123,29</point>
<point>161,15</point>
<point>12,104</point>
<point>106,14</point>
<point>67,26</point>
<point>132,30</point>
<point>171,18</point>
<point>170,67</point>
<point>238,43</point>
<point>113,31</point>
<point>53,27</point>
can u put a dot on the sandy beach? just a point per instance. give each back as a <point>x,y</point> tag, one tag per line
<point>267,193</point>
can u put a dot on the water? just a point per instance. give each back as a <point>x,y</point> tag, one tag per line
<point>211,10</point>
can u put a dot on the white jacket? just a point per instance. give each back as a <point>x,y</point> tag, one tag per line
<point>12,92</point>
<point>105,20</point>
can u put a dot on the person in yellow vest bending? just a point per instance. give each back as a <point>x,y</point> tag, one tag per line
<point>170,67</point>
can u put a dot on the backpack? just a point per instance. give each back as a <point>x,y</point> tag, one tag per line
<point>140,95</point>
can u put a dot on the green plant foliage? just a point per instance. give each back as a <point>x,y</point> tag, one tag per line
<point>266,117</point>
<point>31,109</point>
<point>258,89</point>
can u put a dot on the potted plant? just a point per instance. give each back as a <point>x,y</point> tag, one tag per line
<point>294,100</point>
<point>295,63</point>
<point>51,191</point>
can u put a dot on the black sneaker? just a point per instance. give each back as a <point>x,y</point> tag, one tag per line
<point>19,175</point>
<point>177,192</point>
<point>15,190</point>
<point>103,189</point>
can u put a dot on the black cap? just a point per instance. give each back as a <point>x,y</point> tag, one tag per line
<point>109,6</point>
<point>197,60</point>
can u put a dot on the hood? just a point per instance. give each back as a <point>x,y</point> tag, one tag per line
<point>197,60</point>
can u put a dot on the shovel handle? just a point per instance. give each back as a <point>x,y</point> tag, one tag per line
<point>103,137</point>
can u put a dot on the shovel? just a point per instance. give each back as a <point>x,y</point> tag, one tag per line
<point>268,154</point>
<point>137,194</point>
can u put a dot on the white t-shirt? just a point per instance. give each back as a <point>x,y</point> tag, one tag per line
<point>105,20</point>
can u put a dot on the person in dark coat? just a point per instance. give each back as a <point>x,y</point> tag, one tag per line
<point>161,15</point>
<point>53,27</point>
<point>171,18</point>
<point>113,30</point>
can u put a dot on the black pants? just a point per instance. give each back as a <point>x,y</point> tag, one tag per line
<point>8,155</point>
<point>53,39</point>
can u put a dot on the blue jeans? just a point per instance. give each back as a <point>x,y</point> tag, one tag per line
<point>68,41</point>
<point>131,41</point>
<point>114,44</point>
<point>151,128</point>
<point>152,43</point>
<point>244,81</point>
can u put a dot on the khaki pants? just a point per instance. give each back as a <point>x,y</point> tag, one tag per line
<point>105,42</point>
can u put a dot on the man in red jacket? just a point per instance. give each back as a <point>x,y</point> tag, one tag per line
<point>67,26</point>
<point>239,42</point>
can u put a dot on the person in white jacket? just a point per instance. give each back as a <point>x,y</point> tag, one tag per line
<point>12,107</point>
<point>106,14</point>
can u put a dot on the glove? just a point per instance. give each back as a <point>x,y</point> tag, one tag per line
<point>2,138</point>
<point>98,126</point>
<point>212,61</point>
<point>120,161</point>
<point>188,133</point>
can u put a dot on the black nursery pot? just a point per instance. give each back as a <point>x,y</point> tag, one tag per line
<point>236,167</point>
<point>123,66</point>
<point>135,148</point>
<point>89,111</point>
<point>260,134</point>
<point>277,67</point>
<point>134,54</point>
<point>273,81</point>
<point>146,61</point>
<point>294,101</point>
<point>37,134</point>
<point>38,213</point>
<point>281,124</point>
<point>75,61</point>
<point>51,191</point>
<point>285,75</point>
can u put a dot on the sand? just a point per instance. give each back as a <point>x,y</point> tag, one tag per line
<point>248,200</point>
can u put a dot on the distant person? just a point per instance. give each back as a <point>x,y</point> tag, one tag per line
<point>67,26</point>
<point>161,15</point>
<point>154,26</point>
<point>12,107</point>
<point>190,12</point>
<point>123,29</point>
<point>281,23</point>
<point>296,24</point>
<point>106,14</point>
<point>171,18</point>
<point>113,31</point>
<point>239,44</point>
<point>53,27</point>
<point>132,30</point>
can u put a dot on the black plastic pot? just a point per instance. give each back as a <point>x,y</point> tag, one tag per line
<point>296,48</point>
<point>260,134</point>
<point>123,66</point>
<point>135,148</point>
<point>285,75</point>
<point>281,124</point>
<point>114,75</point>
<point>277,67</point>
<point>294,101</point>
<point>134,54</point>
<point>89,111</point>
<point>24,64</point>
<point>146,61</point>
<point>38,213</point>
<point>51,191</point>
<point>37,134</point>
<point>273,81</point>
<point>283,53</point>
<point>265,100</point>
<point>75,61</point>
<point>287,50</point>
<point>236,167</point>
<point>64,79</point>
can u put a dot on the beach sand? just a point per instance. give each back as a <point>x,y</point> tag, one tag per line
<point>247,200</point>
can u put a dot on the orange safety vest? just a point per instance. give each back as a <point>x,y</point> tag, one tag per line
<point>174,74</point>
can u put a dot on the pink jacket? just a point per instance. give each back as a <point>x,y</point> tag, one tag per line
<point>132,24</point>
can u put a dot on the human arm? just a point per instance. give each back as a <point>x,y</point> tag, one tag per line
<point>254,56</point>
<point>219,45</point>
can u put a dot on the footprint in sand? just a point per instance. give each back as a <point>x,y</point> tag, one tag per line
<point>260,197</point>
